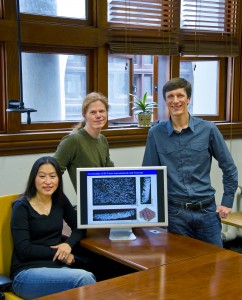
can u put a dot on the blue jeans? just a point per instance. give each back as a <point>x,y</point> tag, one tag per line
<point>204,224</point>
<point>38,282</point>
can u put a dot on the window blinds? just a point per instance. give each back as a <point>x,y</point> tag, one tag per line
<point>174,27</point>
<point>142,27</point>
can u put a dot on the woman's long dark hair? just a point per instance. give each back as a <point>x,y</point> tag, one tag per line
<point>31,187</point>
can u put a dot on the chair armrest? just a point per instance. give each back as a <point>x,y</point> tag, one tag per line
<point>5,282</point>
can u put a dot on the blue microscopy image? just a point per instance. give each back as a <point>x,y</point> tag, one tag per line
<point>114,214</point>
<point>114,191</point>
<point>145,190</point>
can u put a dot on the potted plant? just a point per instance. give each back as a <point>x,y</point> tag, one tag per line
<point>143,110</point>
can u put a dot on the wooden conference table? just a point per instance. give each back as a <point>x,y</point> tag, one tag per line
<point>153,247</point>
<point>234,219</point>
<point>169,267</point>
<point>217,275</point>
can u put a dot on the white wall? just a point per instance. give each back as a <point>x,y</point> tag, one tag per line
<point>14,170</point>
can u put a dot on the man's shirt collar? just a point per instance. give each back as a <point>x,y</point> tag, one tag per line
<point>170,128</point>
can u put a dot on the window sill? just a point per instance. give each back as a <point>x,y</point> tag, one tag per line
<point>47,142</point>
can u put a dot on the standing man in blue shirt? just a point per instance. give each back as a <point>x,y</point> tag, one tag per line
<point>186,145</point>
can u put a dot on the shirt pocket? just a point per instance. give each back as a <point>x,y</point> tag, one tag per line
<point>200,152</point>
<point>166,150</point>
<point>167,154</point>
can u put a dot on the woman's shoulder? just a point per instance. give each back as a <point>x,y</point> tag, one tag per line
<point>61,200</point>
<point>21,203</point>
<point>65,199</point>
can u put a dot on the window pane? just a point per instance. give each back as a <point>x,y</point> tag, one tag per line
<point>143,76</point>
<point>163,76</point>
<point>148,59</point>
<point>59,8</point>
<point>148,85</point>
<point>204,86</point>
<point>203,15</point>
<point>118,87</point>
<point>144,13</point>
<point>119,83</point>
<point>55,85</point>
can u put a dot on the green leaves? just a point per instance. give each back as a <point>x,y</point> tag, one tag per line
<point>142,106</point>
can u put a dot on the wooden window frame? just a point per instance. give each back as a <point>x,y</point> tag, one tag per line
<point>223,114</point>
<point>1,9</point>
<point>2,91</point>
<point>64,125</point>
<point>17,138</point>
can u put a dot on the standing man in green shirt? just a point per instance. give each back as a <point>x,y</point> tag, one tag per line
<point>86,147</point>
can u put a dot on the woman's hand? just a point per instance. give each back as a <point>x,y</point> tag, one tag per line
<point>69,260</point>
<point>62,253</point>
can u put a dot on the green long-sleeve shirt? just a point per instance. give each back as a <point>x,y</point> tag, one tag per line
<point>80,150</point>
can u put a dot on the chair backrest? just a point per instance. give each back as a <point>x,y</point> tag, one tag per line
<point>6,242</point>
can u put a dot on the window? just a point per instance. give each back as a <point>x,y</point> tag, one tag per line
<point>207,86</point>
<point>142,13</point>
<point>119,87</point>
<point>133,74</point>
<point>115,47</point>
<point>58,8</point>
<point>143,76</point>
<point>210,15</point>
<point>75,86</point>
<point>215,25</point>
<point>55,85</point>
<point>184,27</point>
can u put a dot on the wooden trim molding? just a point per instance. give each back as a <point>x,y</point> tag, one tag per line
<point>47,142</point>
<point>44,142</point>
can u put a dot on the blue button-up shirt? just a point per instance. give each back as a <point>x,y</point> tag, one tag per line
<point>188,157</point>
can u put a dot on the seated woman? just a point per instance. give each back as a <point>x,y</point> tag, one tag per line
<point>41,262</point>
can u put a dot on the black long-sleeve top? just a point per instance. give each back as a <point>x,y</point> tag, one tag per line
<point>33,234</point>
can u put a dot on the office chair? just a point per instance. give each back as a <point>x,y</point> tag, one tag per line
<point>6,246</point>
